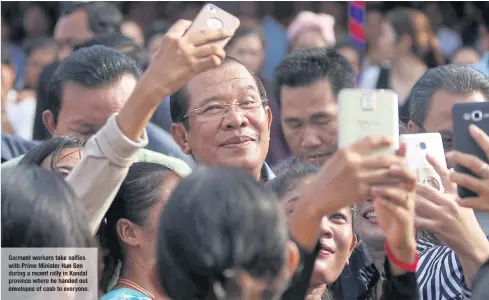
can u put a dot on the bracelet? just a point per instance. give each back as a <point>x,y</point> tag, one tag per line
<point>400,264</point>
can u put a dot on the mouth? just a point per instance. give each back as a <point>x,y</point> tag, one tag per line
<point>318,157</point>
<point>238,141</point>
<point>370,216</point>
<point>326,251</point>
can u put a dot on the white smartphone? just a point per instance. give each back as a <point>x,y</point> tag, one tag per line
<point>368,113</point>
<point>417,146</point>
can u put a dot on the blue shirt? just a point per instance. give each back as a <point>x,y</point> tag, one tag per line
<point>124,294</point>
<point>483,64</point>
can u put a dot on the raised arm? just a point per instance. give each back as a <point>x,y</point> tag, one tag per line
<point>109,154</point>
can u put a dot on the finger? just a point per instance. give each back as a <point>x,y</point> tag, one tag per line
<point>444,174</point>
<point>385,207</point>
<point>426,224</point>
<point>381,161</point>
<point>208,63</point>
<point>375,176</point>
<point>470,182</point>
<point>469,161</point>
<point>477,203</point>
<point>178,29</point>
<point>404,173</point>
<point>402,150</point>
<point>396,195</point>
<point>480,138</point>
<point>431,194</point>
<point>208,50</point>
<point>370,143</point>
<point>207,36</point>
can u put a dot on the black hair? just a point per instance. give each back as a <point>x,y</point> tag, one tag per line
<point>92,67</point>
<point>54,145</point>
<point>179,100</point>
<point>343,45</point>
<point>244,31</point>
<point>290,177</point>
<point>219,219</point>
<point>307,66</point>
<point>40,131</point>
<point>456,79</point>
<point>120,42</point>
<point>39,209</point>
<point>32,45</point>
<point>411,22</point>
<point>138,193</point>
<point>102,16</point>
<point>155,29</point>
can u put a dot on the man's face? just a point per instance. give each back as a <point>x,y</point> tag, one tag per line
<point>309,116</point>
<point>237,138</point>
<point>439,115</point>
<point>70,31</point>
<point>84,110</point>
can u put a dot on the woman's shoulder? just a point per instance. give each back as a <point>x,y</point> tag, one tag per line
<point>124,294</point>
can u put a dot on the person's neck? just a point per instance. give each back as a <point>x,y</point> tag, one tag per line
<point>378,256</point>
<point>315,292</point>
<point>142,274</point>
<point>407,67</point>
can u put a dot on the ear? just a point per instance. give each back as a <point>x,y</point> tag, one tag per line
<point>352,247</point>
<point>179,135</point>
<point>268,113</point>
<point>127,232</point>
<point>293,258</point>
<point>49,122</point>
<point>412,127</point>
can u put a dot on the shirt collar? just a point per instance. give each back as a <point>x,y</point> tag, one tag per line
<point>266,173</point>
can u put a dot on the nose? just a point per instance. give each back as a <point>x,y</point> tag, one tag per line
<point>310,139</point>
<point>233,118</point>
<point>326,228</point>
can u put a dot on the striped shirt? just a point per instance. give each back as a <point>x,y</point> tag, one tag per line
<point>439,274</point>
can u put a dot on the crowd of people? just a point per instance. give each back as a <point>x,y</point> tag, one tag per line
<point>200,174</point>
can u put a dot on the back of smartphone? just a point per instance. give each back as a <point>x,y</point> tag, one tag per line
<point>368,113</point>
<point>212,17</point>
<point>417,146</point>
<point>464,114</point>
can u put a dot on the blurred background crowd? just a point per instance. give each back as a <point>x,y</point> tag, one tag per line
<point>443,32</point>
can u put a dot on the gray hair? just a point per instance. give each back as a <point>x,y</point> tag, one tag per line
<point>456,79</point>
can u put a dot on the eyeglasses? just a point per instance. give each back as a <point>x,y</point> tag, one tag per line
<point>213,111</point>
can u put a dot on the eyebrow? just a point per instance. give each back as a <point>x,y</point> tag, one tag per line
<point>243,89</point>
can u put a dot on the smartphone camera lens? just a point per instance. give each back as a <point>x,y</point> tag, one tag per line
<point>422,146</point>
<point>477,115</point>
<point>213,8</point>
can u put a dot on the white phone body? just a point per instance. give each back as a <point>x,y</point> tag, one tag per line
<point>417,146</point>
<point>368,113</point>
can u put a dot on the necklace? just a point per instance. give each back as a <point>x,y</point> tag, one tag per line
<point>136,287</point>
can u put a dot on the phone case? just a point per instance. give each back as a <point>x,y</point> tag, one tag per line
<point>368,113</point>
<point>417,146</point>
<point>464,114</point>
<point>212,17</point>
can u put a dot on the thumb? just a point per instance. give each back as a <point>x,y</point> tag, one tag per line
<point>178,29</point>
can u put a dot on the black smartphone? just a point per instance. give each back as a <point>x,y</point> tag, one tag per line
<point>463,115</point>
